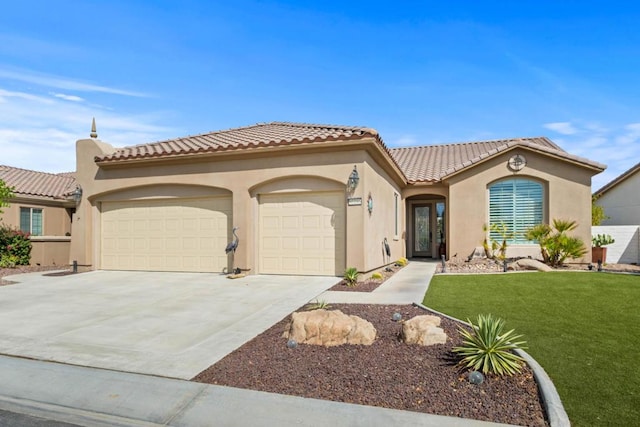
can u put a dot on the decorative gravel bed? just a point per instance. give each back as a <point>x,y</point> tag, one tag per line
<point>388,373</point>
<point>367,285</point>
<point>486,265</point>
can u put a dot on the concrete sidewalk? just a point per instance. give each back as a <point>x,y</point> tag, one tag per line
<point>407,286</point>
<point>97,397</point>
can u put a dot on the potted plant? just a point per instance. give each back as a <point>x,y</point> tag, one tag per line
<point>599,251</point>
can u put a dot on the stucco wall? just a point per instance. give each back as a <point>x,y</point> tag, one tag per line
<point>245,175</point>
<point>50,250</point>
<point>622,202</point>
<point>567,196</point>
<point>381,223</point>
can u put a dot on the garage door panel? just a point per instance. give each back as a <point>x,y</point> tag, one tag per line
<point>302,233</point>
<point>166,235</point>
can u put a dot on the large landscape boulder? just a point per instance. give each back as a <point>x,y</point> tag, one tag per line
<point>329,328</point>
<point>423,330</point>
<point>529,264</point>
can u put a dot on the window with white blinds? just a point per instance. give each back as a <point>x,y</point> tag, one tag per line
<point>518,204</point>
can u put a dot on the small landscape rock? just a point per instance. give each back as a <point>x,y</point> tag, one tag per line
<point>329,328</point>
<point>423,330</point>
<point>529,264</point>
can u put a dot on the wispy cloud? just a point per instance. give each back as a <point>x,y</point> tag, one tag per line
<point>564,128</point>
<point>67,97</point>
<point>50,81</point>
<point>39,132</point>
<point>618,147</point>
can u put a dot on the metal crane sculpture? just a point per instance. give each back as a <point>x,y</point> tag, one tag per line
<point>231,247</point>
<point>387,249</point>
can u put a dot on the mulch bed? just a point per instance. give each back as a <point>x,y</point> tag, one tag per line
<point>388,373</point>
<point>368,285</point>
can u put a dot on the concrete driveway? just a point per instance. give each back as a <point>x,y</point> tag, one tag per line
<point>165,324</point>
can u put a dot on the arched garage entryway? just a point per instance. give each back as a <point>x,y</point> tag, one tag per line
<point>165,228</point>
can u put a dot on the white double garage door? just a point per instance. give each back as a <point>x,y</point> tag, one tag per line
<point>298,233</point>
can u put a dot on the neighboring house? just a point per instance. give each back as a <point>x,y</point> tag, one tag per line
<point>314,199</point>
<point>43,206</point>
<point>621,198</point>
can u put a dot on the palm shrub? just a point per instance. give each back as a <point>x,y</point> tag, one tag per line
<point>486,348</point>
<point>505,234</point>
<point>555,244</point>
<point>351,276</point>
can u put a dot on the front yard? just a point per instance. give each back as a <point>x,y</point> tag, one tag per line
<point>582,327</point>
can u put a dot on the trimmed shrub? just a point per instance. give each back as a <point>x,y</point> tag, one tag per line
<point>15,246</point>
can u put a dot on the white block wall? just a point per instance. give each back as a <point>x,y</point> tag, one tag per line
<point>626,249</point>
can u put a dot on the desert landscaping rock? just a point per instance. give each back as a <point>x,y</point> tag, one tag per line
<point>529,264</point>
<point>329,328</point>
<point>423,330</point>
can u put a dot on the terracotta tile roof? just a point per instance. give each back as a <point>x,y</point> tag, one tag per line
<point>419,164</point>
<point>617,180</point>
<point>435,162</point>
<point>259,135</point>
<point>32,183</point>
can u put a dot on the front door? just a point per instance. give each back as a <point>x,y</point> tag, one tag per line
<point>421,231</point>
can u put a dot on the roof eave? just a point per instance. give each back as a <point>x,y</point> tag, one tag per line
<point>43,200</point>
<point>619,179</point>
<point>578,161</point>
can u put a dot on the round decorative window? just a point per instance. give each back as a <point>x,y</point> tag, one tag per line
<point>517,162</point>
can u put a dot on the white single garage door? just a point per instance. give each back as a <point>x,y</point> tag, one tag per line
<point>166,234</point>
<point>302,233</point>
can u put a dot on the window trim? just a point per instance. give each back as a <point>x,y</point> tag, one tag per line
<point>31,212</point>
<point>396,225</point>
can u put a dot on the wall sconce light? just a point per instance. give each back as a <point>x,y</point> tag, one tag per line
<point>77,194</point>
<point>352,183</point>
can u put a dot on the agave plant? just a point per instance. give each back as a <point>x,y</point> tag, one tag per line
<point>318,304</point>
<point>351,276</point>
<point>486,348</point>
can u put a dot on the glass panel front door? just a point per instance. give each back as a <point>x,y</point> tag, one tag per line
<point>421,231</point>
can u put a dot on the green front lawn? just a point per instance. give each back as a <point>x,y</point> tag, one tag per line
<point>583,328</point>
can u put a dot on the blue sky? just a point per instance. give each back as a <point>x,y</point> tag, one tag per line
<point>419,72</point>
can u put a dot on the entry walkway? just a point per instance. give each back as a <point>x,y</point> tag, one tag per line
<point>407,286</point>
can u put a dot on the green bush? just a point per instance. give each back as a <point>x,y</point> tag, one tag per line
<point>351,276</point>
<point>401,262</point>
<point>8,261</point>
<point>15,244</point>
<point>376,276</point>
<point>489,350</point>
<point>555,244</point>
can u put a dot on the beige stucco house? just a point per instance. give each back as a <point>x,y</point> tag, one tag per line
<point>43,206</point>
<point>620,198</point>
<point>314,199</point>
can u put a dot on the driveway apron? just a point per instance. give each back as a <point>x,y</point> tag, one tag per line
<point>166,324</point>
